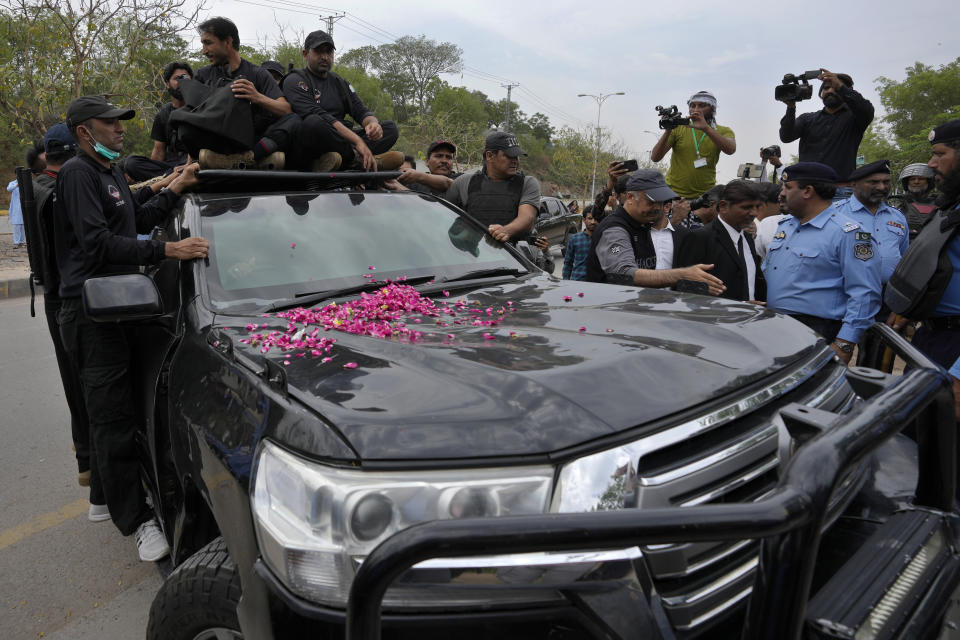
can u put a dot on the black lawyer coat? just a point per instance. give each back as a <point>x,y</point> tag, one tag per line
<point>711,244</point>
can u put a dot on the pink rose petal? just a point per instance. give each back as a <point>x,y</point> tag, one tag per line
<point>350,365</point>
<point>293,245</point>
<point>582,329</point>
<point>580,295</point>
<point>567,298</point>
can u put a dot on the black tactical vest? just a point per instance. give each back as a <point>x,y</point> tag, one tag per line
<point>918,214</point>
<point>643,249</point>
<point>493,202</point>
<point>924,272</point>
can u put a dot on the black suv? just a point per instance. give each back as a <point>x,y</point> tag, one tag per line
<point>360,401</point>
<point>557,222</point>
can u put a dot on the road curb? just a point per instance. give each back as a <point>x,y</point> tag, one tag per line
<point>15,288</point>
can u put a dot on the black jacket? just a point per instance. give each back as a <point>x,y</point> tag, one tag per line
<point>96,222</point>
<point>711,244</point>
<point>832,139</point>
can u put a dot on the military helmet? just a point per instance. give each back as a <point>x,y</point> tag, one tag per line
<point>916,169</point>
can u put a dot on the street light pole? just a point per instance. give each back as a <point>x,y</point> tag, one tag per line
<point>596,147</point>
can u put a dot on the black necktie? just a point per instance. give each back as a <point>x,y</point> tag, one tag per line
<point>743,267</point>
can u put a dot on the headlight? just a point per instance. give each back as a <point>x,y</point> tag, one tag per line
<point>315,522</point>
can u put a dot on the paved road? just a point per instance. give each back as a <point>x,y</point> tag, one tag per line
<point>63,577</point>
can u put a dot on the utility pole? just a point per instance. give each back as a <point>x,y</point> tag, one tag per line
<point>509,88</point>
<point>330,20</point>
<point>596,147</point>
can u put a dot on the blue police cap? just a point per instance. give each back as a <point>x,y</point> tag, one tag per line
<point>945,133</point>
<point>810,171</point>
<point>880,166</point>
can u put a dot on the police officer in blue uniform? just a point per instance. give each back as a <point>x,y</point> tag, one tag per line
<point>887,226</point>
<point>821,267</point>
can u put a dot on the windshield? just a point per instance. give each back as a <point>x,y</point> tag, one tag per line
<point>267,249</point>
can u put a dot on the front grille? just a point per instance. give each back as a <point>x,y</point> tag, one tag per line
<point>734,454</point>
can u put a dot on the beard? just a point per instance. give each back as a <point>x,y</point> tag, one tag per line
<point>832,101</point>
<point>949,189</point>
<point>176,93</point>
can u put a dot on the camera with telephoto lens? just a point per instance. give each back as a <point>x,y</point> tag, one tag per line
<point>670,117</point>
<point>768,152</point>
<point>796,88</point>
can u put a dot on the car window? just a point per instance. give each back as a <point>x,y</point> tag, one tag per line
<point>553,207</point>
<point>272,247</point>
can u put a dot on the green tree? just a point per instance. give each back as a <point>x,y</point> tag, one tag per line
<point>409,69</point>
<point>57,50</point>
<point>926,97</point>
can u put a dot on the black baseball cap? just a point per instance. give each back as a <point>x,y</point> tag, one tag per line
<point>506,142</point>
<point>317,38</point>
<point>441,143</point>
<point>273,66</point>
<point>651,182</point>
<point>86,107</point>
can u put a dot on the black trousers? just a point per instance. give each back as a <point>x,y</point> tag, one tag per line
<point>101,353</point>
<point>317,136</point>
<point>141,168</point>
<point>284,133</point>
<point>73,392</point>
<point>943,347</point>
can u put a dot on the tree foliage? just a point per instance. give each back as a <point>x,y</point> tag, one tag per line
<point>925,98</point>
<point>409,69</point>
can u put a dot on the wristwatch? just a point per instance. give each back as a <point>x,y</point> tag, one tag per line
<point>846,347</point>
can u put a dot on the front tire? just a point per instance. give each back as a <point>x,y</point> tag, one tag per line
<point>198,601</point>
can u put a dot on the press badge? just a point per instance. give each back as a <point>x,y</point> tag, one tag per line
<point>699,162</point>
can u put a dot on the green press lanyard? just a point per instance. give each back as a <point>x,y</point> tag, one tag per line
<point>696,143</point>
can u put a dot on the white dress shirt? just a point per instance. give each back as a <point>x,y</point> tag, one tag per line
<point>736,236</point>
<point>663,245</point>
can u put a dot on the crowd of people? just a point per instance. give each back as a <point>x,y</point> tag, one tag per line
<point>820,240</point>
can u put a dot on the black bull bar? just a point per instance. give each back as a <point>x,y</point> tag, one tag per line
<point>788,522</point>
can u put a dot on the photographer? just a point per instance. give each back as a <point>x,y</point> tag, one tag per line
<point>771,155</point>
<point>832,135</point>
<point>696,147</point>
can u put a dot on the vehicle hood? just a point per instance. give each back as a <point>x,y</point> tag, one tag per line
<point>608,359</point>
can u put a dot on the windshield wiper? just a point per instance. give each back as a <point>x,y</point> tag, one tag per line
<point>307,298</point>
<point>487,273</point>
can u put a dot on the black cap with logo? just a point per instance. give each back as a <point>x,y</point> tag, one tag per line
<point>506,142</point>
<point>86,107</point>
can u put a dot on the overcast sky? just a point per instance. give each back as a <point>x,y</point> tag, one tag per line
<point>657,53</point>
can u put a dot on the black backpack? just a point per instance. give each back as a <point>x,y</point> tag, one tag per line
<point>37,206</point>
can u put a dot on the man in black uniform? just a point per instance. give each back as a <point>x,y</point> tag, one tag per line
<point>323,100</point>
<point>168,152</point>
<point>621,248</point>
<point>275,127</point>
<point>60,146</point>
<point>95,227</point>
<point>832,135</point>
<point>498,195</point>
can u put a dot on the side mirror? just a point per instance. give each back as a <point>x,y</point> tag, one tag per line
<point>126,297</point>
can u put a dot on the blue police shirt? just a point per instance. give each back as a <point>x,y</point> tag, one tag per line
<point>827,268</point>
<point>949,304</point>
<point>887,229</point>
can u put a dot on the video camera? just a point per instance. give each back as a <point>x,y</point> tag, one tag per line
<point>768,152</point>
<point>703,202</point>
<point>670,117</point>
<point>796,88</point>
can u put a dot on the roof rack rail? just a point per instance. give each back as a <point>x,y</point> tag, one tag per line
<point>247,181</point>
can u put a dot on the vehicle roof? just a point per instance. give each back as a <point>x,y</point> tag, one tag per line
<point>227,182</point>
